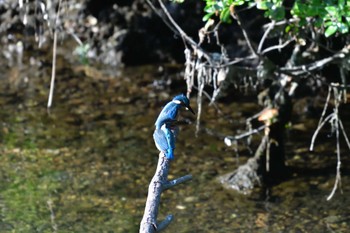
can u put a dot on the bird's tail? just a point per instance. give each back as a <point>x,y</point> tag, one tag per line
<point>170,154</point>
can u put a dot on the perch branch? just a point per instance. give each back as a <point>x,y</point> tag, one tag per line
<point>158,184</point>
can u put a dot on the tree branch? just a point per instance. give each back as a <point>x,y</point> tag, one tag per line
<point>184,36</point>
<point>304,69</point>
<point>245,34</point>
<point>158,184</point>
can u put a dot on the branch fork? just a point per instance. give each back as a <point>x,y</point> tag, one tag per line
<point>158,184</point>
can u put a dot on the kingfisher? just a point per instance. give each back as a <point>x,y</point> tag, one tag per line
<point>166,125</point>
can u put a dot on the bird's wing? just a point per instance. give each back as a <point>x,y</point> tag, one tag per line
<point>170,137</point>
<point>160,140</point>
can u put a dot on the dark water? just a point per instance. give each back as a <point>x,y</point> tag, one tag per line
<point>85,165</point>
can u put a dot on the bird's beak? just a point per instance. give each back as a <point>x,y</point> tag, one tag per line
<point>189,108</point>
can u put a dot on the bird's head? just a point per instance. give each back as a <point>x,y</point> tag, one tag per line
<point>182,100</point>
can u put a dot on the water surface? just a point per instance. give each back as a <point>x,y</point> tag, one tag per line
<point>85,165</point>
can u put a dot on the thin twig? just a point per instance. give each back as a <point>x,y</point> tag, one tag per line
<point>177,181</point>
<point>325,105</point>
<point>304,69</point>
<point>245,34</point>
<point>344,133</point>
<point>160,16</point>
<point>183,34</point>
<point>53,71</point>
<point>52,216</point>
<point>281,46</point>
<point>233,62</point>
<point>281,23</point>
<point>338,176</point>
<point>318,129</point>
<point>262,41</point>
<point>199,102</point>
<point>165,223</point>
<point>244,135</point>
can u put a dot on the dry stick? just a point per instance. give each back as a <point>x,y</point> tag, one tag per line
<point>52,216</point>
<point>262,41</point>
<point>318,130</point>
<point>158,184</point>
<point>304,69</point>
<point>338,176</point>
<point>245,34</point>
<point>53,72</point>
<point>246,134</point>
<point>281,46</point>
<point>199,102</point>
<point>184,35</point>
<point>163,19</point>
<point>325,105</point>
<point>281,23</point>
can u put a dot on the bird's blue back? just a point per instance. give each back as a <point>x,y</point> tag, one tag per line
<point>164,139</point>
<point>169,113</point>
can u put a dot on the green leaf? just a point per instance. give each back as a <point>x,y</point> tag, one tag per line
<point>278,13</point>
<point>207,17</point>
<point>347,20</point>
<point>261,5</point>
<point>288,28</point>
<point>343,28</point>
<point>330,30</point>
<point>218,6</point>
<point>332,10</point>
<point>341,4</point>
<point>225,15</point>
<point>239,3</point>
<point>209,9</point>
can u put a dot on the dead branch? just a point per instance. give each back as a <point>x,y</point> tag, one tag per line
<point>158,184</point>
<point>245,34</point>
<point>337,126</point>
<point>268,30</point>
<point>229,139</point>
<point>304,69</point>
<point>54,53</point>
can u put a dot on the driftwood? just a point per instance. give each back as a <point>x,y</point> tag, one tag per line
<point>158,184</point>
<point>245,178</point>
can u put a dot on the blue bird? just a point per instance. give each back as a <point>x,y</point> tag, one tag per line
<point>170,110</point>
<point>166,129</point>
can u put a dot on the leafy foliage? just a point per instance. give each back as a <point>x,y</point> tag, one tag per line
<point>330,16</point>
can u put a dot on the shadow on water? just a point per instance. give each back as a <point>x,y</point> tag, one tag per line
<point>85,165</point>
